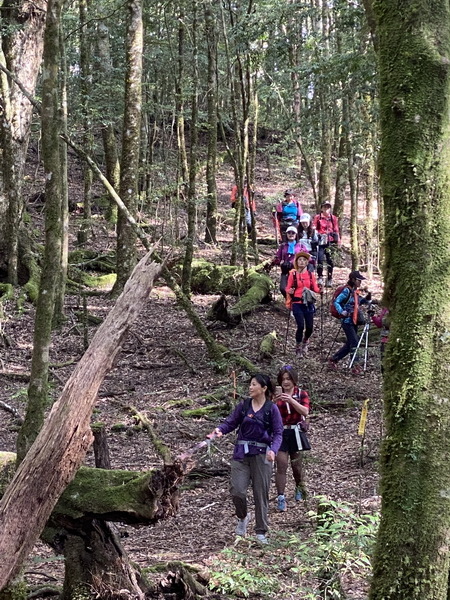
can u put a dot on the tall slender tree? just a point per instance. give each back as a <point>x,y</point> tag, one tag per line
<point>129,164</point>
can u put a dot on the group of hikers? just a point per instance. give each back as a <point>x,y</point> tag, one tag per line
<point>272,422</point>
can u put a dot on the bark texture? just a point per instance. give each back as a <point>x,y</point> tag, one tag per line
<point>412,553</point>
<point>54,458</point>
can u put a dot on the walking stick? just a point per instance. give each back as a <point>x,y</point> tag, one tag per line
<point>332,344</point>
<point>287,331</point>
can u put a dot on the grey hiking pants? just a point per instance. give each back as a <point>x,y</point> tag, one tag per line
<point>252,469</point>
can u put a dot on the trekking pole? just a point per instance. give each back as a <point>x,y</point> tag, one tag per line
<point>287,331</point>
<point>332,344</point>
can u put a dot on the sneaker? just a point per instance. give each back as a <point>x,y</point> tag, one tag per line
<point>281,503</point>
<point>320,281</point>
<point>241,527</point>
<point>262,538</point>
<point>329,282</point>
<point>298,494</point>
<point>332,365</point>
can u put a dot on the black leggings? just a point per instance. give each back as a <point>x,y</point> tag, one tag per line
<point>304,317</point>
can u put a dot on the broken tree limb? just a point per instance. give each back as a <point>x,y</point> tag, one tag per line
<point>60,448</point>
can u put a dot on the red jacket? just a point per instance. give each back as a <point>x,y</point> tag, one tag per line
<point>327,224</point>
<point>299,281</point>
<point>233,197</point>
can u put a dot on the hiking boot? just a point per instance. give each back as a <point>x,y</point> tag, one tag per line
<point>262,538</point>
<point>332,365</point>
<point>329,282</point>
<point>241,527</point>
<point>281,503</point>
<point>298,494</point>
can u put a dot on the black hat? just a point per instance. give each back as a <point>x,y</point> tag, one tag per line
<point>289,193</point>
<point>356,275</point>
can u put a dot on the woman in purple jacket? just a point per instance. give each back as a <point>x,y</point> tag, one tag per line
<point>258,440</point>
<point>285,256</point>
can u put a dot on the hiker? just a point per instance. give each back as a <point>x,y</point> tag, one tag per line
<point>307,236</point>
<point>246,192</point>
<point>258,440</point>
<point>381,320</point>
<point>293,405</point>
<point>347,304</point>
<point>287,213</point>
<point>327,228</point>
<point>301,291</point>
<point>285,256</point>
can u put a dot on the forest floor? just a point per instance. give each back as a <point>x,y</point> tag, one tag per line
<point>164,368</point>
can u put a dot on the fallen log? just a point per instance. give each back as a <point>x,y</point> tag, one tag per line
<point>58,451</point>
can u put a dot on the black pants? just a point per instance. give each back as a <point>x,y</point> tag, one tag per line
<point>324,253</point>
<point>351,333</point>
<point>304,317</point>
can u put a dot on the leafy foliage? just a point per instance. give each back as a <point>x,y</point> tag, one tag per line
<point>337,551</point>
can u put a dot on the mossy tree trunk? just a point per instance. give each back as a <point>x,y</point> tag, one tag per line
<point>51,152</point>
<point>129,164</point>
<point>412,554</point>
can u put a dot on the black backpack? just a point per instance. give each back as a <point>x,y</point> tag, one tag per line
<point>267,413</point>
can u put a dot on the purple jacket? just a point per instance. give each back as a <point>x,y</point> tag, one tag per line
<point>283,255</point>
<point>252,430</point>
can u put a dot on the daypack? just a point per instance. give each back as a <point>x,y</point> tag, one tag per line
<point>333,309</point>
<point>267,414</point>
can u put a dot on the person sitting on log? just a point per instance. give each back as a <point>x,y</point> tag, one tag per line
<point>287,213</point>
<point>285,256</point>
<point>301,291</point>
<point>258,440</point>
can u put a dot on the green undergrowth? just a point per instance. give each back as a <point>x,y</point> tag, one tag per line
<point>334,555</point>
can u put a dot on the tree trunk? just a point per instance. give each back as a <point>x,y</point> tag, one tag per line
<point>112,163</point>
<point>22,40</point>
<point>191,207</point>
<point>85,108</point>
<point>51,270</point>
<point>411,559</point>
<point>129,164</point>
<point>211,159</point>
<point>54,458</point>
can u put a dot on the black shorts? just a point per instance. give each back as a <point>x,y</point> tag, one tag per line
<point>289,443</point>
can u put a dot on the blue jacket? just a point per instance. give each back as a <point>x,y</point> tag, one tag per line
<point>346,302</point>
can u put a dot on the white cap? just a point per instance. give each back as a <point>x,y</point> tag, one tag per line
<point>305,217</point>
<point>292,228</point>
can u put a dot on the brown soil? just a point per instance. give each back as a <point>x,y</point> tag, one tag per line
<point>150,374</point>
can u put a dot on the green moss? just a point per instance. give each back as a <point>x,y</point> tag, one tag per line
<point>15,591</point>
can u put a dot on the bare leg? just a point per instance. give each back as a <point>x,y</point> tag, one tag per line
<point>280,477</point>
